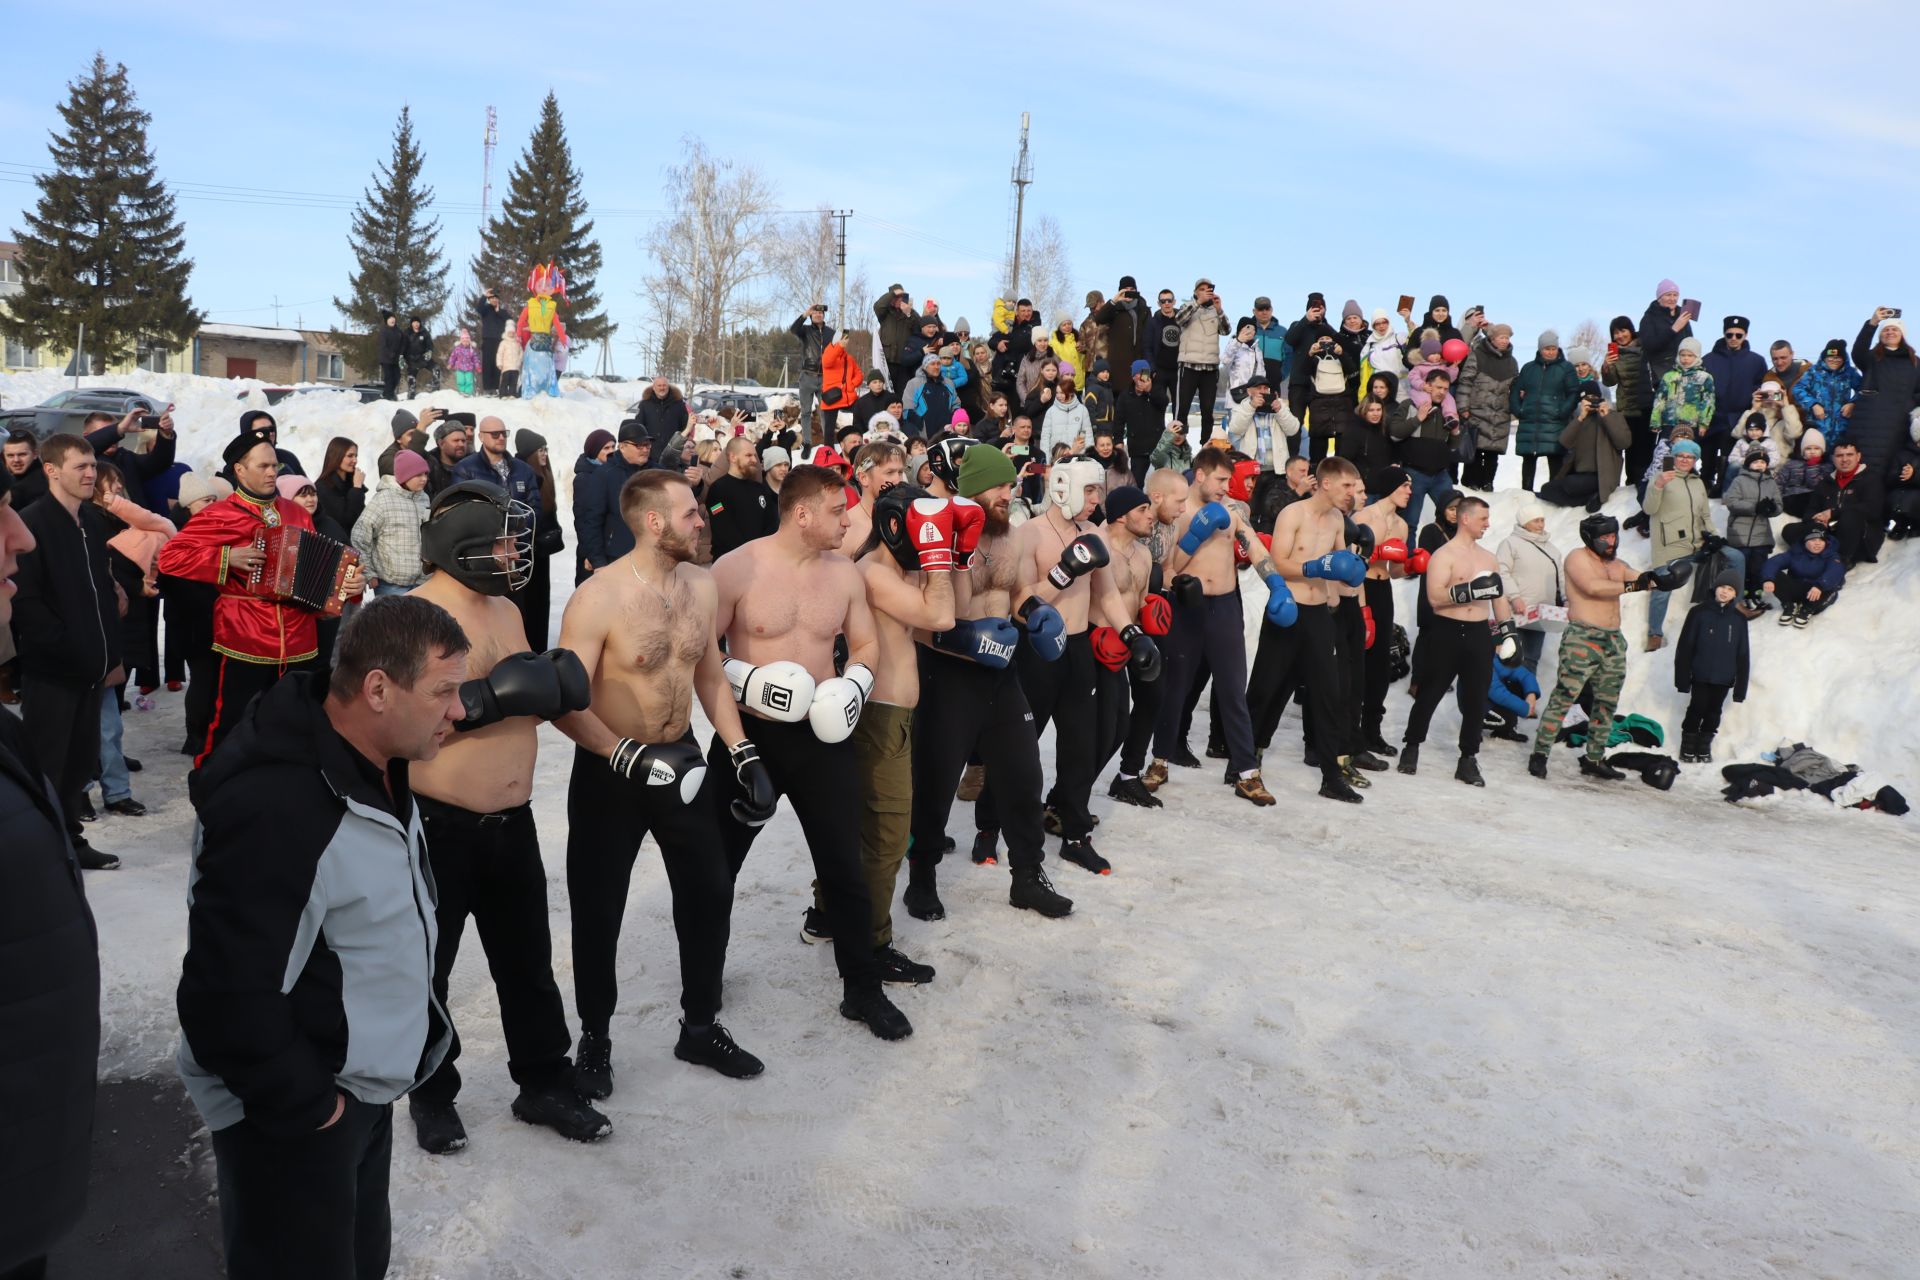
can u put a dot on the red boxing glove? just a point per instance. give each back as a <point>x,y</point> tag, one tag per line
<point>1392,551</point>
<point>930,526</point>
<point>1156,615</point>
<point>1109,648</point>
<point>1366,616</point>
<point>969,522</point>
<point>1417,562</point>
<point>1240,557</point>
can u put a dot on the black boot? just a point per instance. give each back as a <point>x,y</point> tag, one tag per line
<point>713,1047</point>
<point>1081,853</point>
<point>878,1012</point>
<point>1537,764</point>
<point>1599,769</point>
<point>562,1110</point>
<point>1379,746</point>
<point>593,1066</point>
<point>1133,791</point>
<point>1365,759</point>
<point>436,1126</point>
<point>814,928</point>
<point>1032,891</point>
<point>922,899</point>
<point>1336,788</point>
<point>1409,759</point>
<point>1183,757</point>
<point>897,970</point>
<point>1687,747</point>
<point>986,845</point>
<point>92,859</point>
<point>1703,747</point>
<point>1468,771</point>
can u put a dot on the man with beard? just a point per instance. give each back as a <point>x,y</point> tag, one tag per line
<point>1593,652</point>
<point>644,631</point>
<point>1310,552</point>
<point>256,639</point>
<point>740,507</point>
<point>475,807</point>
<point>907,564</point>
<point>783,600</point>
<point>1127,697</point>
<point>1385,517</point>
<point>971,700</point>
<point>1463,586</point>
<point>1208,626</point>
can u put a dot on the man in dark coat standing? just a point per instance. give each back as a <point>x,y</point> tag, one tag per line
<point>1737,370</point>
<point>493,325</point>
<point>392,349</point>
<point>50,991</point>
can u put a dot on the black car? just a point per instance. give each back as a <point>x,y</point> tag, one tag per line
<point>65,411</point>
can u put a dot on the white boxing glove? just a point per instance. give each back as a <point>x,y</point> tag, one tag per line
<point>780,691</point>
<point>838,702</point>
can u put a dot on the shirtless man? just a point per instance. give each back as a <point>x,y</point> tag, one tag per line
<point>1463,585</point>
<point>1593,652</point>
<point>1207,623</point>
<point>1310,552</point>
<point>1386,516</point>
<point>1128,695</point>
<point>907,564</point>
<point>877,467</point>
<point>1060,561</point>
<point>971,700</point>
<point>783,601</point>
<point>644,629</point>
<point>474,806</point>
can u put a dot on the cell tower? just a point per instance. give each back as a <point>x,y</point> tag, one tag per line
<point>1022,179</point>
<point>491,141</point>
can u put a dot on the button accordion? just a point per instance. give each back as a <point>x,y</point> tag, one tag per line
<point>301,567</point>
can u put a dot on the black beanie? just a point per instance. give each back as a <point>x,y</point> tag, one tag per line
<point>1316,299</point>
<point>1439,300</point>
<point>1618,323</point>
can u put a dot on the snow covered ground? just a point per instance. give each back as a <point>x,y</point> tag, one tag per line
<point>1558,1029</point>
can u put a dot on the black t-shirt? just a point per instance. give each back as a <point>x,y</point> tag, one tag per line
<point>739,511</point>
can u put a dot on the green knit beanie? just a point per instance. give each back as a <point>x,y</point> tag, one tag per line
<point>984,468</point>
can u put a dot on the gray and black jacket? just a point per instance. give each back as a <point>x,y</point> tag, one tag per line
<point>310,925</point>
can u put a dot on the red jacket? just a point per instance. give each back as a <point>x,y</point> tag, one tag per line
<point>839,378</point>
<point>245,627</point>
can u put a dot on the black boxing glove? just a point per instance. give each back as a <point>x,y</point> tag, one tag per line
<point>755,806</point>
<point>661,764</point>
<point>1143,655</point>
<point>1359,539</point>
<point>1188,591</point>
<point>576,690</point>
<point>521,684</point>
<point>1077,559</point>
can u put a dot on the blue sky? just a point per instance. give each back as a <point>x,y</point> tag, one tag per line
<point>1550,163</point>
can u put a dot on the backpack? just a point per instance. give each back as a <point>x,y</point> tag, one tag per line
<point>1329,375</point>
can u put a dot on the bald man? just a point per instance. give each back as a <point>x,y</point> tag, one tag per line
<point>740,506</point>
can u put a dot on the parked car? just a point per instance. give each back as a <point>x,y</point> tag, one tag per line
<point>367,392</point>
<point>717,398</point>
<point>66,410</point>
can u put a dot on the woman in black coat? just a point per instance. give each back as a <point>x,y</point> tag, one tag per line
<point>536,598</point>
<point>342,486</point>
<point>1889,388</point>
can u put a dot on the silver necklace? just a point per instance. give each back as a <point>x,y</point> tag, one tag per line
<point>666,601</point>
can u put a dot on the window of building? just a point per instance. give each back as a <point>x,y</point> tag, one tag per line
<point>21,357</point>
<point>329,367</point>
<point>153,359</point>
<point>10,272</point>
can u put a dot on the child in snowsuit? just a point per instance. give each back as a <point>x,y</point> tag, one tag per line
<point>1685,394</point>
<point>1825,390</point>
<point>1511,694</point>
<point>1416,380</point>
<point>1753,499</point>
<point>1799,477</point>
<point>464,360</point>
<point>1711,661</point>
<point>1755,433</point>
<point>1806,577</point>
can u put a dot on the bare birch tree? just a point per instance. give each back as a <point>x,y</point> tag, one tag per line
<point>1046,272</point>
<point>1587,334</point>
<point>806,270</point>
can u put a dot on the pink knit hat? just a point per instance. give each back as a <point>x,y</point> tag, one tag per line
<point>406,465</point>
<point>289,485</point>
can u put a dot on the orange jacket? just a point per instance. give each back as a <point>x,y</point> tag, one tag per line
<point>839,378</point>
<point>245,627</point>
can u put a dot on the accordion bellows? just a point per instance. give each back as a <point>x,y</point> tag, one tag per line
<point>304,568</point>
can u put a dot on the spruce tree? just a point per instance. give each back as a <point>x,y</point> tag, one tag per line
<point>398,265</point>
<point>544,219</point>
<point>102,247</point>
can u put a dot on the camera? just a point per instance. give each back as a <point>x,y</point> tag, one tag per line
<point>1592,396</point>
<point>149,422</point>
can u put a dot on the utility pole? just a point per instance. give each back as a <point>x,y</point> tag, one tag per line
<point>276,311</point>
<point>840,217</point>
<point>1022,179</point>
<point>487,144</point>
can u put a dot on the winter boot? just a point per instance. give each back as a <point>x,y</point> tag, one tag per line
<point>1379,746</point>
<point>436,1126</point>
<point>922,899</point>
<point>972,778</point>
<point>1365,759</point>
<point>1537,764</point>
<point>1155,776</point>
<point>593,1066</point>
<point>562,1110</point>
<point>1703,748</point>
<point>1133,791</point>
<point>814,928</point>
<point>1336,788</point>
<point>1184,757</point>
<point>92,859</point>
<point>986,846</point>
<point>1468,771</point>
<point>1032,891</point>
<point>713,1047</point>
<point>878,1012</point>
<point>1081,853</point>
<point>1409,759</point>
<point>897,970</point>
<point>1600,769</point>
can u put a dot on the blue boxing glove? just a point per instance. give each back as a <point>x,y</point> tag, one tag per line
<point>1281,610</point>
<point>1338,566</point>
<point>987,641</point>
<point>1207,521</point>
<point>1046,629</point>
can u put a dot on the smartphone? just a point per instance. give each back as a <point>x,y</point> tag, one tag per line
<point>1893,313</point>
<point>1691,306</point>
<point>149,422</point>
<point>1613,350</point>
<point>1406,302</point>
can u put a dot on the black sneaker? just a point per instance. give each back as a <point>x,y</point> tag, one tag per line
<point>1802,616</point>
<point>879,1013</point>
<point>1507,735</point>
<point>1310,758</point>
<point>986,846</point>
<point>1353,776</point>
<point>85,811</point>
<point>436,1126</point>
<point>1081,853</point>
<point>922,899</point>
<point>1468,771</point>
<point>897,970</point>
<point>715,1048</point>
<point>1032,891</point>
<point>1364,759</point>
<point>593,1066</point>
<point>813,927</point>
<point>562,1110</point>
<point>1785,620</point>
<point>1133,791</point>
<point>128,808</point>
<point>91,859</point>
<point>1599,769</point>
<point>1379,746</point>
<point>1337,789</point>
<point>1409,759</point>
<point>1216,751</point>
<point>1537,764</point>
<point>133,766</point>
<point>1183,757</point>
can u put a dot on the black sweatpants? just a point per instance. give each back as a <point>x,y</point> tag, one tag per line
<point>1791,590</point>
<point>1640,441</point>
<point>821,781</point>
<point>1112,708</point>
<point>389,381</point>
<point>1350,649</point>
<point>312,1207</point>
<point>1479,473</point>
<point>1450,650</point>
<point>237,683</point>
<point>1378,676</point>
<point>1214,631</point>
<point>1203,380</point>
<point>1136,728</point>
<point>1703,708</point>
<point>1303,658</point>
<point>607,818</point>
<point>967,709</point>
<point>63,725</point>
<point>1062,690</point>
<point>1201,686</point>
<point>487,866</point>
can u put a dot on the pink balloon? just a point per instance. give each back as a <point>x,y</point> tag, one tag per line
<point>1453,351</point>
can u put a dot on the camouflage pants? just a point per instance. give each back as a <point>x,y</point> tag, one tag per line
<point>1588,655</point>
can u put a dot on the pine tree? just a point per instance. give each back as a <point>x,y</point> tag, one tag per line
<point>102,247</point>
<point>396,251</point>
<point>544,218</point>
